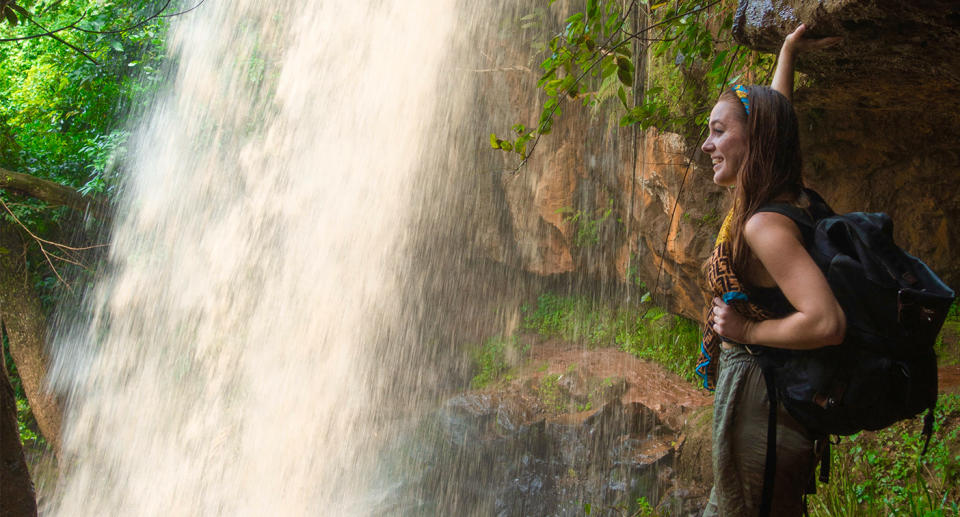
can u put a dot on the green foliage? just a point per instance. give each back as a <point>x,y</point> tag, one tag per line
<point>954,313</point>
<point>61,113</point>
<point>640,508</point>
<point>645,509</point>
<point>495,358</point>
<point>947,345</point>
<point>588,226</point>
<point>883,473</point>
<point>646,332</point>
<point>595,57</point>
<point>674,342</point>
<point>551,395</point>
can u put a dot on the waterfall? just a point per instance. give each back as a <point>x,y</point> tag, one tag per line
<point>243,339</point>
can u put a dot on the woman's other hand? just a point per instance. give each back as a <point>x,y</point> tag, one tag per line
<point>729,323</point>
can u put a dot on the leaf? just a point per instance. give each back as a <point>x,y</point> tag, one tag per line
<point>656,6</point>
<point>625,77</point>
<point>519,129</point>
<point>117,45</point>
<point>608,62</point>
<point>545,127</point>
<point>590,44</point>
<point>494,143</point>
<point>718,61</point>
<point>11,16</point>
<point>17,8</point>
<point>575,18</point>
<point>506,145</point>
<point>591,8</point>
<point>622,95</point>
<point>645,298</point>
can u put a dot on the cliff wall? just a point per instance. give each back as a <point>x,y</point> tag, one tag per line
<point>880,127</point>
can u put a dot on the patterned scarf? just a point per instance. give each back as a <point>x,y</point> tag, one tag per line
<point>723,283</point>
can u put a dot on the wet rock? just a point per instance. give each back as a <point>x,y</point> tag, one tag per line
<point>507,451</point>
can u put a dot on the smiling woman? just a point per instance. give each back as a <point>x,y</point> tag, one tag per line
<point>760,256</point>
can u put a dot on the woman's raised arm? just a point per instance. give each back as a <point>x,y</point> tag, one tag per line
<point>793,45</point>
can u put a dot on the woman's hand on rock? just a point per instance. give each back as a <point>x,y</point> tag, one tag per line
<point>729,323</point>
<point>795,42</point>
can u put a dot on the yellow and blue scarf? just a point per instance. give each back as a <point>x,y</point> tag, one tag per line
<point>723,283</point>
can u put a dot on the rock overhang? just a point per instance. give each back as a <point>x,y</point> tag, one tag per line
<point>894,53</point>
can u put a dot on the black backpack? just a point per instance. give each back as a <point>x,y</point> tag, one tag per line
<point>886,368</point>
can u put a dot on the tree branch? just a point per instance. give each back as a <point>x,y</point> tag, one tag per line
<point>58,38</point>
<point>184,11</point>
<point>48,33</point>
<point>73,26</point>
<point>130,28</point>
<point>52,192</point>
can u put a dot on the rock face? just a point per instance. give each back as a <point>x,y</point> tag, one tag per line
<point>574,427</point>
<point>900,53</point>
<point>879,123</point>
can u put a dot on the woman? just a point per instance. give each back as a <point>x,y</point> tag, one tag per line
<point>753,144</point>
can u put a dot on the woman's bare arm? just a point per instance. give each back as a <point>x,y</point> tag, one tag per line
<point>819,320</point>
<point>793,44</point>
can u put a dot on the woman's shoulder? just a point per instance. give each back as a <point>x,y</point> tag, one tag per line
<point>770,226</point>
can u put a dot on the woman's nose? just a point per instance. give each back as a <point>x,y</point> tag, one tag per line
<point>707,145</point>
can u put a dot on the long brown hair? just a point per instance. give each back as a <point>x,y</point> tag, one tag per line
<point>772,168</point>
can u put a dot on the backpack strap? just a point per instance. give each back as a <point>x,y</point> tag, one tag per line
<point>805,218</point>
<point>824,447</point>
<point>770,465</point>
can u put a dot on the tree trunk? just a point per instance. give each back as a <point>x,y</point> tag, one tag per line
<point>17,498</point>
<point>26,329</point>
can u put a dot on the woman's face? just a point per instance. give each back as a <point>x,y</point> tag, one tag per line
<point>727,142</point>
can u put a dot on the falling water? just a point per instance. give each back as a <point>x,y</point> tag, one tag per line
<point>231,365</point>
<point>298,257</point>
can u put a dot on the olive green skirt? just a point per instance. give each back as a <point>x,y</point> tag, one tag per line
<point>740,415</point>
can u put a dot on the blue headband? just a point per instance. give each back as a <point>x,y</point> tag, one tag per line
<point>742,94</point>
